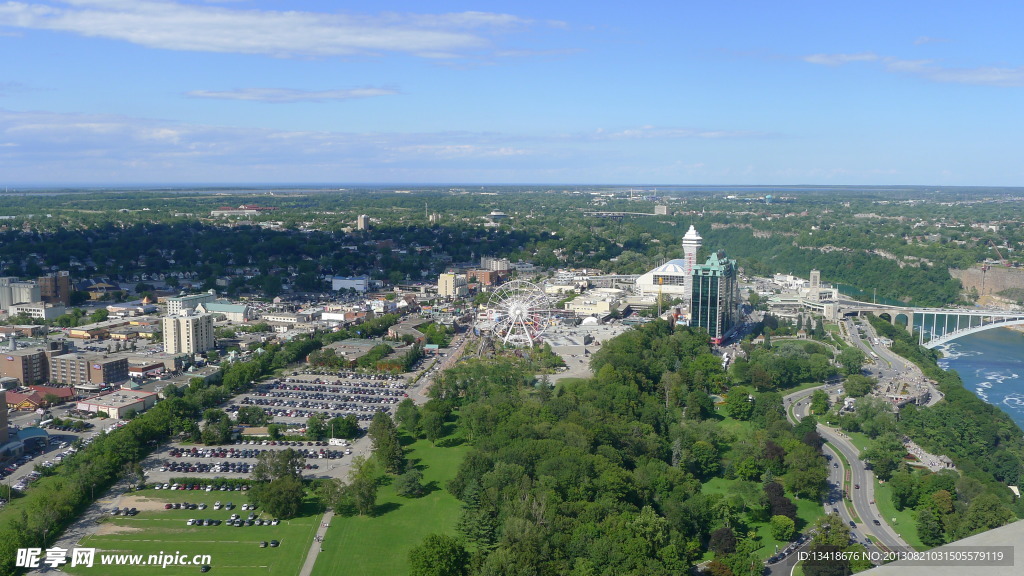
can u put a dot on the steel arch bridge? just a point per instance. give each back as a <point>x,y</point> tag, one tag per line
<point>938,326</point>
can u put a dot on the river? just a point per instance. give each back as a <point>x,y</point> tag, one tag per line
<point>991,364</point>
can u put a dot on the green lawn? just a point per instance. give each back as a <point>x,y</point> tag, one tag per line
<point>379,545</point>
<point>860,440</point>
<point>233,550</point>
<point>905,523</point>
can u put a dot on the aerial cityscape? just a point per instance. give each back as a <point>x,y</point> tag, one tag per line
<point>526,290</point>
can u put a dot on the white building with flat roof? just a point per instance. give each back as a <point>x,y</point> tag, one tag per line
<point>119,403</point>
<point>179,304</point>
<point>40,310</point>
<point>357,283</point>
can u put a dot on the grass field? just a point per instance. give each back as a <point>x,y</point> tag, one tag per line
<point>233,550</point>
<point>905,524</point>
<point>379,545</point>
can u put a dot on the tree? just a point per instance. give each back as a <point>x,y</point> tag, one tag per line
<point>316,426</point>
<point>344,426</point>
<point>782,528</point>
<point>99,315</point>
<point>740,403</point>
<point>858,385</point>
<point>283,497</point>
<point>704,459</point>
<point>699,405</point>
<point>852,360</point>
<point>904,490</point>
<point>780,505</point>
<point>386,446</point>
<point>360,494</point>
<point>819,402</point>
<point>477,524</point>
<point>277,485</point>
<point>408,415</point>
<point>252,416</point>
<point>410,483</point>
<point>885,455</point>
<point>272,465</point>
<point>432,424</point>
<point>929,528</point>
<point>439,555</point>
<point>985,512</point>
<point>722,541</point>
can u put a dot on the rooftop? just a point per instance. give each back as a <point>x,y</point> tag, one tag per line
<point>119,398</point>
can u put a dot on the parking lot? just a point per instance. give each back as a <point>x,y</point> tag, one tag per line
<point>292,400</point>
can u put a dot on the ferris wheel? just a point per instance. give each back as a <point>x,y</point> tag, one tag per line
<point>521,312</point>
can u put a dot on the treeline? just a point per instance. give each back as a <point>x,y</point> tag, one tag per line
<point>605,475</point>
<point>922,285</point>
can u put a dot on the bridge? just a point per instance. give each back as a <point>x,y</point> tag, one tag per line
<point>619,215</point>
<point>937,326</point>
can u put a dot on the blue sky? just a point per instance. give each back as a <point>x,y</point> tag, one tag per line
<point>175,91</point>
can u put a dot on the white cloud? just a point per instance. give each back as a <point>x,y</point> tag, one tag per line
<point>929,69</point>
<point>839,59</point>
<point>653,132</point>
<point>928,40</point>
<point>46,147</point>
<point>981,76</point>
<point>286,95</point>
<point>171,25</point>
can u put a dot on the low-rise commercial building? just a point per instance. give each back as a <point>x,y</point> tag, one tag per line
<point>119,403</point>
<point>40,310</point>
<point>232,312</point>
<point>357,283</point>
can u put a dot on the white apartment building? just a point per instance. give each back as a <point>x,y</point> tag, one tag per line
<point>452,286</point>
<point>188,333</point>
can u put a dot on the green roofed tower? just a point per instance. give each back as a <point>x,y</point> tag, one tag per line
<point>714,303</point>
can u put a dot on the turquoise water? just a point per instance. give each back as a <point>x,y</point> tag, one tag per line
<point>991,364</point>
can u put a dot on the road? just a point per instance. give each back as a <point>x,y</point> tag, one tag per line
<point>896,375</point>
<point>862,498</point>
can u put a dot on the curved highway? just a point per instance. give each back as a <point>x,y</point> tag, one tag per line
<point>863,499</point>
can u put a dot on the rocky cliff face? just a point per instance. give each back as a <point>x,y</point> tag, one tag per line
<point>991,281</point>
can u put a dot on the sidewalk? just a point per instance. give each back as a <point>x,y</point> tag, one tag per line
<point>314,548</point>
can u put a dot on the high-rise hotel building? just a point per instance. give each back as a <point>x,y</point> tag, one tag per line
<point>714,303</point>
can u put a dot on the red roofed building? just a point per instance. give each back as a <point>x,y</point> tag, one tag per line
<point>23,401</point>
<point>65,393</point>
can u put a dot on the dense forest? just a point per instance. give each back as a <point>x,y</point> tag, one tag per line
<point>608,475</point>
